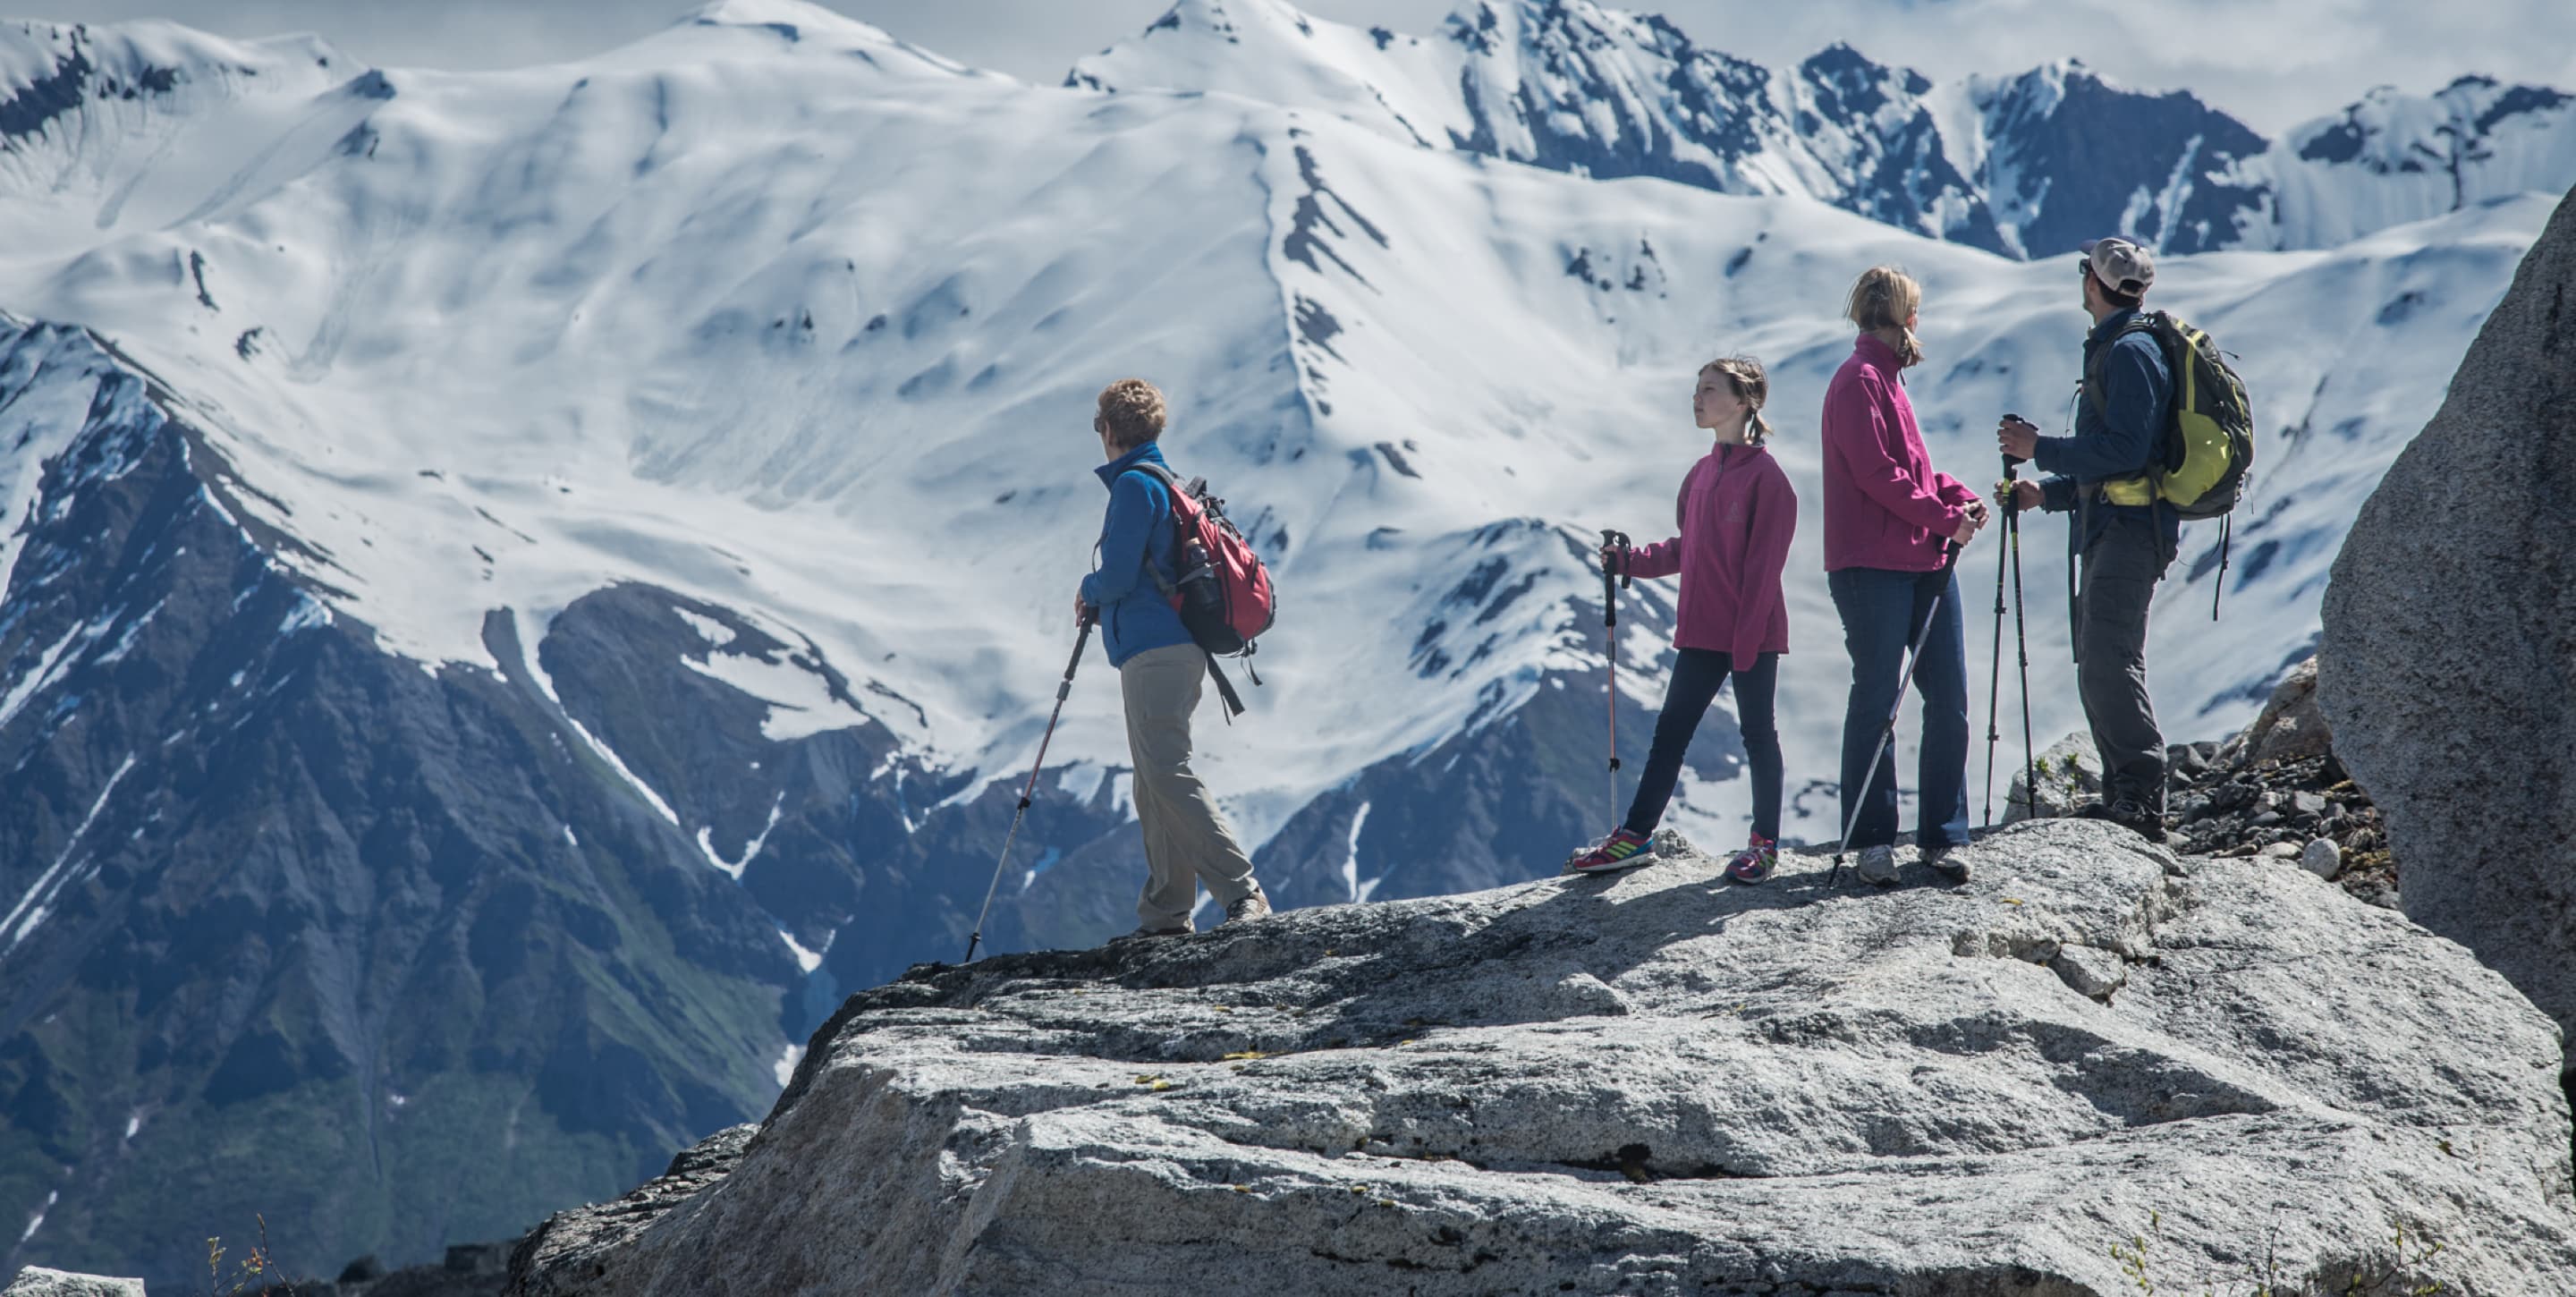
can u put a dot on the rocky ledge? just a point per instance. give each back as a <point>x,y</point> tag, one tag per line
<point>2098,1064</point>
<point>2275,790</point>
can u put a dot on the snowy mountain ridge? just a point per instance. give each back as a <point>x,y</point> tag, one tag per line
<point>583,550</point>
<point>849,350</point>
<point>2027,164</point>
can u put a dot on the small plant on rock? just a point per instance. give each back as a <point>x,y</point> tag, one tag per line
<point>255,1273</point>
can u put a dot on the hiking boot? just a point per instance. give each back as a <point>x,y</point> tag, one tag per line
<point>1755,862</point>
<point>1878,865</point>
<point>1621,850</point>
<point>1947,862</point>
<point>1250,907</point>
<point>2095,810</point>
<point>2137,819</point>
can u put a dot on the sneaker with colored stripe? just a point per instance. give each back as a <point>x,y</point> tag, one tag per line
<point>1621,850</point>
<point>1755,862</point>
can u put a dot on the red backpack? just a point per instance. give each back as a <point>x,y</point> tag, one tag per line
<point>1223,591</point>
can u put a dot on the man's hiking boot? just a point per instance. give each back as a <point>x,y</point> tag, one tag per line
<point>1946,861</point>
<point>1621,850</point>
<point>2137,819</point>
<point>1181,931</point>
<point>1755,862</point>
<point>1250,907</point>
<point>1878,865</point>
<point>2091,811</point>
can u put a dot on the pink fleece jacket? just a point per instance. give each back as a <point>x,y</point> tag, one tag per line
<point>1736,514</point>
<point>1884,506</point>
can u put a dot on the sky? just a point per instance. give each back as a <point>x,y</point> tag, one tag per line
<point>2273,63</point>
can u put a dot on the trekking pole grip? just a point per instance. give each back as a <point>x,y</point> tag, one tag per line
<point>1081,640</point>
<point>1611,580</point>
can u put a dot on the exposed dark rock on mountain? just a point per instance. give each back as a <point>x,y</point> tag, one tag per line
<point>368,916</point>
<point>2028,165</point>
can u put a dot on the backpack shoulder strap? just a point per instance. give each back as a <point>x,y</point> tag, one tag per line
<point>2149,323</point>
<point>1172,483</point>
<point>1159,472</point>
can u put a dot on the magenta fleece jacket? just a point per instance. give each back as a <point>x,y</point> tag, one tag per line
<point>1736,514</point>
<point>1884,506</point>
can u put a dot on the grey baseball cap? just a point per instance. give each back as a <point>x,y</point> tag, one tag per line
<point>2122,265</point>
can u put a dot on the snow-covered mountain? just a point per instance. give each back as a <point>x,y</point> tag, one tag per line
<point>2394,158</point>
<point>1571,86</point>
<point>522,586</point>
<point>2026,165</point>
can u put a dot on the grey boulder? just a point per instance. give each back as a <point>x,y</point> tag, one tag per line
<point>2449,658</point>
<point>1653,1083</point>
<point>2322,858</point>
<point>37,1281</point>
<point>2291,726</point>
<point>2070,774</point>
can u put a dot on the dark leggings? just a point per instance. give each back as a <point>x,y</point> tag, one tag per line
<point>1696,678</point>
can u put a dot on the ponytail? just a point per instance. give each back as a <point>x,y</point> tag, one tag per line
<point>1752,386</point>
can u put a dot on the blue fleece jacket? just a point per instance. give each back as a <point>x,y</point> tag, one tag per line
<point>1135,615</point>
<point>2113,438</point>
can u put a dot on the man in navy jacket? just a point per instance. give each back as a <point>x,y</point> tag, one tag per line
<point>1160,671</point>
<point>2123,536</point>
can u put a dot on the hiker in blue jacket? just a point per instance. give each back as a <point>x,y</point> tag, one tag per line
<point>2123,536</point>
<point>1160,671</point>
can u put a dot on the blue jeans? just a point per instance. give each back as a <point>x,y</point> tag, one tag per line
<point>1696,677</point>
<point>1882,612</point>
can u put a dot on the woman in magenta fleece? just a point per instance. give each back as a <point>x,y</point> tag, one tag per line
<point>1736,515</point>
<point>1888,518</point>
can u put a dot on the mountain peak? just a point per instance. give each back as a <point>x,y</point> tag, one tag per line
<point>1272,51</point>
<point>794,19</point>
<point>797,27</point>
<point>1844,68</point>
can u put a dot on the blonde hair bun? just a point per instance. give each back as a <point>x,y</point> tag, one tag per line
<point>1883,301</point>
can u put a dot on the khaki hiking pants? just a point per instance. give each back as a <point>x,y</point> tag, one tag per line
<point>1187,840</point>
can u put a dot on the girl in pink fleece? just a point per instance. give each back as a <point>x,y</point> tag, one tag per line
<point>1736,514</point>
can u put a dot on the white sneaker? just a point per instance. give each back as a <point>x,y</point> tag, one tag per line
<point>1878,865</point>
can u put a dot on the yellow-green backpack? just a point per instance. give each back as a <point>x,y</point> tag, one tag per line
<point>2209,438</point>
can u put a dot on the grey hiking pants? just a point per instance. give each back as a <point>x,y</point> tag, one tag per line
<point>1187,839</point>
<point>2121,568</point>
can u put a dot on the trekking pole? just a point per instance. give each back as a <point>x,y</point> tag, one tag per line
<point>1081,638</point>
<point>1995,673</point>
<point>1887,736</point>
<point>2021,643</point>
<point>1610,632</point>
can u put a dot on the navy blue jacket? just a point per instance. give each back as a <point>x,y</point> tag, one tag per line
<point>2113,439</point>
<point>1135,544</point>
